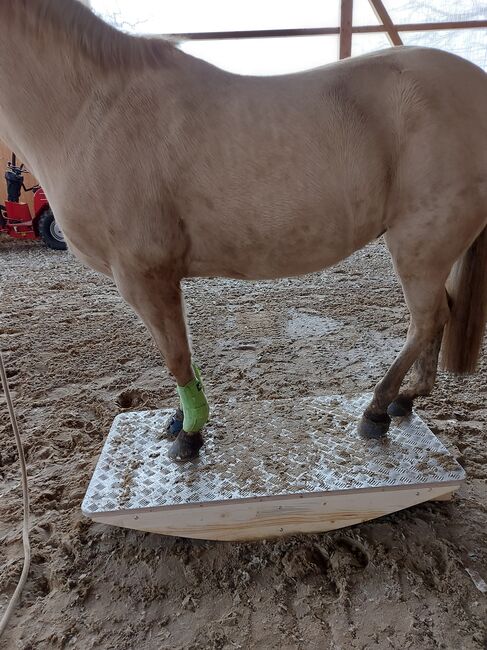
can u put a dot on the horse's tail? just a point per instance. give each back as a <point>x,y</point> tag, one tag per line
<point>467,288</point>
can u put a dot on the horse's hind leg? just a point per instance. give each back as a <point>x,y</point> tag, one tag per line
<point>426,299</point>
<point>421,382</point>
<point>156,297</point>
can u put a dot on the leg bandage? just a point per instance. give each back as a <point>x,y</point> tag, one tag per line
<point>193,403</point>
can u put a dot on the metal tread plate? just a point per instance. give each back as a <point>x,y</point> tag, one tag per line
<point>261,450</point>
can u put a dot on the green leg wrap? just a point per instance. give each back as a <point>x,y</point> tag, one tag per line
<point>193,403</point>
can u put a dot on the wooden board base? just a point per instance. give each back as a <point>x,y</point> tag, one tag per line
<point>316,475</point>
<point>269,518</point>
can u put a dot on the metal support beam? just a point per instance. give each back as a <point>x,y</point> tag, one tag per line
<point>346,15</point>
<point>382,14</point>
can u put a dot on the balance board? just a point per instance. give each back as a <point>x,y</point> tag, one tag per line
<point>268,468</point>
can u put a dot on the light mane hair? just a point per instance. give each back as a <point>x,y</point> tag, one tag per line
<point>72,24</point>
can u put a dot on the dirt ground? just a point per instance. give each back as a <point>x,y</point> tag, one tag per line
<point>77,356</point>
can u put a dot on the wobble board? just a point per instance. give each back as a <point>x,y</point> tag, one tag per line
<point>268,468</point>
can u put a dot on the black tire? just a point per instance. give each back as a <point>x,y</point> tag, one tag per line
<point>50,232</point>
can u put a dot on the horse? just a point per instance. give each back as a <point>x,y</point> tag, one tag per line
<point>255,178</point>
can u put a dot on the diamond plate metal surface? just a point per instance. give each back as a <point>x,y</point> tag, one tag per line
<point>264,449</point>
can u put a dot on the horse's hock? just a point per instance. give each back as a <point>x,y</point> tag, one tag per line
<point>306,470</point>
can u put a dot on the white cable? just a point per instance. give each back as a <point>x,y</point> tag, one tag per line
<point>25,491</point>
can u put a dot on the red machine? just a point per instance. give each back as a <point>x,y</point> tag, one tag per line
<point>16,219</point>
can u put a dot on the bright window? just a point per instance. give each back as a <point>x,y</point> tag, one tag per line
<point>290,54</point>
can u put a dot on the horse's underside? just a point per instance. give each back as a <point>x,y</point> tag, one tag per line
<point>252,178</point>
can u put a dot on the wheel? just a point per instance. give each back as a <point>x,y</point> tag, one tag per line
<point>3,221</point>
<point>51,234</point>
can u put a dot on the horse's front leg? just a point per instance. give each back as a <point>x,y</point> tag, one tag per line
<point>156,297</point>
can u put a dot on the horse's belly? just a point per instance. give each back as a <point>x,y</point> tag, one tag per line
<point>262,249</point>
<point>268,260</point>
<point>254,269</point>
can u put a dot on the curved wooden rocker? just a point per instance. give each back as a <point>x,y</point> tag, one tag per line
<point>306,470</point>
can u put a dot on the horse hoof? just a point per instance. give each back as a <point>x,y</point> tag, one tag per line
<point>175,424</point>
<point>400,408</point>
<point>186,446</point>
<point>374,428</point>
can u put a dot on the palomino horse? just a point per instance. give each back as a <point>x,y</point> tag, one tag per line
<point>255,178</point>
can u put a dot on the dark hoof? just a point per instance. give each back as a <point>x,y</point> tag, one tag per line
<point>175,424</point>
<point>401,407</point>
<point>374,426</point>
<point>186,446</point>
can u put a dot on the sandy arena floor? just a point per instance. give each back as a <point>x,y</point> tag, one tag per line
<point>77,356</point>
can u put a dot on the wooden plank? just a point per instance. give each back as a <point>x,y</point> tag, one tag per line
<point>382,14</point>
<point>268,518</point>
<point>423,27</point>
<point>321,31</point>
<point>448,496</point>
<point>346,17</point>
<point>252,33</point>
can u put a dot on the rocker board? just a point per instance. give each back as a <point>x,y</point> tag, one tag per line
<point>268,468</point>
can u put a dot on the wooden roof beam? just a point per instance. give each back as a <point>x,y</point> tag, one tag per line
<point>346,16</point>
<point>383,15</point>
<point>321,31</point>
